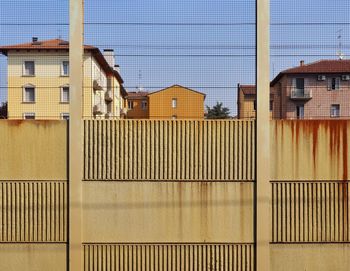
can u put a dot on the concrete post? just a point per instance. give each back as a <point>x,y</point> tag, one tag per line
<point>75,135</point>
<point>263,220</point>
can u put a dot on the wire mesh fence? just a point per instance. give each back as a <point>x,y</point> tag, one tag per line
<point>180,60</point>
<point>34,59</point>
<point>310,70</point>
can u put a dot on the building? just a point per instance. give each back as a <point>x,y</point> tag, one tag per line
<point>319,90</point>
<point>175,102</point>
<point>38,81</point>
<point>137,105</point>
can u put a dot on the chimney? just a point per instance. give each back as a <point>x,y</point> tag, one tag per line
<point>109,56</point>
<point>302,63</point>
<point>35,39</point>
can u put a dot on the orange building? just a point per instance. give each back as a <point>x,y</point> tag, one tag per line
<point>137,105</point>
<point>175,102</point>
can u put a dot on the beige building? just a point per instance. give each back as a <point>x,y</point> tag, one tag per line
<point>319,90</point>
<point>38,81</point>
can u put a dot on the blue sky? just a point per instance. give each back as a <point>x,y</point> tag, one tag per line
<point>224,52</point>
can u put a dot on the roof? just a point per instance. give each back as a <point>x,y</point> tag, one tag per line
<point>137,95</point>
<point>59,44</point>
<point>318,67</point>
<point>251,90</point>
<point>248,89</point>
<point>53,44</point>
<point>178,86</point>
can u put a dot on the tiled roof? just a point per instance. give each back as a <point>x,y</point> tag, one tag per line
<point>251,90</point>
<point>59,44</point>
<point>248,89</point>
<point>318,67</point>
<point>54,44</point>
<point>137,95</point>
<point>322,66</point>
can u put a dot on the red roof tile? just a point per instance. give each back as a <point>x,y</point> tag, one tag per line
<point>137,95</point>
<point>318,67</point>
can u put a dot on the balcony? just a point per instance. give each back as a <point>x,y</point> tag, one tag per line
<point>97,85</point>
<point>109,96</point>
<point>97,109</point>
<point>301,94</point>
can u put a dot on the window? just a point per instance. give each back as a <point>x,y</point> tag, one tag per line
<point>254,105</point>
<point>130,104</point>
<point>300,112</point>
<point>335,110</point>
<point>334,83</point>
<point>29,68</point>
<point>144,105</point>
<point>65,68</point>
<point>29,94</point>
<point>174,103</point>
<point>29,116</point>
<point>299,83</point>
<point>271,105</point>
<point>65,116</point>
<point>65,94</point>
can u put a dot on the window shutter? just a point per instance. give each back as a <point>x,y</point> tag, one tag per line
<point>329,83</point>
<point>337,83</point>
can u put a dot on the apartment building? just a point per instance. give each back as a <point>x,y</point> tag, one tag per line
<point>319,90</point>
<point>38,81</point>
<point>175,102</point>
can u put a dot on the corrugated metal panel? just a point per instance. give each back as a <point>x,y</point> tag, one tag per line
<point>310,211</point>
<point>33,211</point>
<point>196,257</point>
<point>169,150</point>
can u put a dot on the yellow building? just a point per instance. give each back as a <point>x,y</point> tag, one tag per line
<point>38,81</point>
<point>176,102</point>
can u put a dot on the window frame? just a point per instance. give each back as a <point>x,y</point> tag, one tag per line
<point>174,103</point>
<point>144,105</point>
<point>29,114</point>
<point>61,94</point>
<point>24,69</point>
<point>24,93</point>
<point>63,115</point>
<point>330,83</point>
<point>337,110</point>
<point>132,105</point>
<point>62,68</point>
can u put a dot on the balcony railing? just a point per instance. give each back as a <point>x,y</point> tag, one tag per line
<point>301,94</point>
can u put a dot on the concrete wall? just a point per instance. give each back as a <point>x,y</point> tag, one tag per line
<point>33,195</point>
<point>150,202</point>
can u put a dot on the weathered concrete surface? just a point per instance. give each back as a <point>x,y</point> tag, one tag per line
<point>310,150</point>
<point>33,257</point>
<point>33,150</point>
<point>309,257</point>
<point>167,212</point>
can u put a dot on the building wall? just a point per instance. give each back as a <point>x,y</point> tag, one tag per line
<point>190,104</point>
<point>322,99</point>
<point>246,106</point>
<point>48,81</point>
<point>148,198</point>
<point>137,112</point>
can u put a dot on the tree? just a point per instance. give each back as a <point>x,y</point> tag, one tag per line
<point>218,112</point>
<point>3,110</point>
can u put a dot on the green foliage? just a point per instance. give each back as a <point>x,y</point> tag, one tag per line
<point>218,112</point>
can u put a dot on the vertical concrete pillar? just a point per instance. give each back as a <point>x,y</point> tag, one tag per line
<point>262,197</point>
<point>76,52</point>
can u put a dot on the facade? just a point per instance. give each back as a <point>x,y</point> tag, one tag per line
<point>175,102</point>
<point>137,105</point>
<point>38,81</point>
<point>319,90</point>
